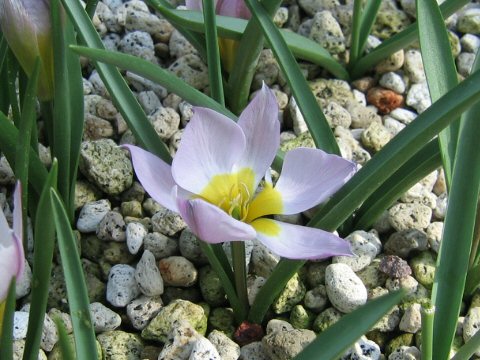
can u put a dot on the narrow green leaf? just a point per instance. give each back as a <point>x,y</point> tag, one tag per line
<point>399,41</point>
<point>75,281</point>
<point>334,341</point>
<point>369,16</point>
<point>355,33</point>
<point>27,121</point>
<point>470,348</point>
<point>232,28</point>
<point>61,122</point>
<point>245,64</point>
<point>155,74</point>
<point>226,278</point>
<point>420,165</point>
<point>9,138</point>
<point>213,54</point>
<point>440,71</point>
<point>473,280</point>
<point>7,311</point>
<point>428,312</point>
<point>164,8</point>
<point>12,73</point>
<point>453,258</point>
<point>63,340</point>
<point>44,243</point>
<point>116,85</point>
<point>317,123</point>
<point>3,50</point>
<point>90,7</point>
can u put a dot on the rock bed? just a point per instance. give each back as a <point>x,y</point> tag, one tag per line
<point>152,291</point>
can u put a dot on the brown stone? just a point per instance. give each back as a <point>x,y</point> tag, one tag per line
<point>247,333</point>
<point>384,100</point>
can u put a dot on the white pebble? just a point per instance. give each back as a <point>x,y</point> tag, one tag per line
<point>148,276</point>
<point>121,286</point>
<point>91,215</point>
<point>345,290</point>
<point>135,234</point>
<point>103,318</point>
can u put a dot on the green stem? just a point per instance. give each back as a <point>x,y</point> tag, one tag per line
<point>428,312</point>
<point>240,272</point>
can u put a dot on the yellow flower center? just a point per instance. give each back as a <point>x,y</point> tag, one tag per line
<point>234,194</point>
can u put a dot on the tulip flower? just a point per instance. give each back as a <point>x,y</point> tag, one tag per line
<point>232,8</point>
<point>26,26</point>
<point>11,248</point>
<point>217,182</point>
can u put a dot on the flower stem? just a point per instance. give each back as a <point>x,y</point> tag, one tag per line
<point>240,272</point>
<point>428,312</point>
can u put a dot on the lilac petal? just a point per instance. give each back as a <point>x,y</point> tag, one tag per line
<point>194,5</point>
<point>259,122</point>
<point>299,242</point>
<point>211,224</point>
<point>233,8</point>
<point>11,262</point>
<point>210,146</point>
<point>155,175</point>
<point>309,177</point>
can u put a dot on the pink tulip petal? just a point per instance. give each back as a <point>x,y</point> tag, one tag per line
<point>299,242</point>
<point>211,224</point>
<point>309,177</point>
<point>11,262</point>
<point>233,8</point>
<point>194,5</point>
<point>155,175</point>
<point>259,122</point>
<point>210,146</point>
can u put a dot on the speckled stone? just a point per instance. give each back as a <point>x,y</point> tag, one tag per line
<point>423,267</point>
<point>112,227</point>
<point>121,286</point>
<point>160,245</point>
<point>167,222</point>
<point>191,69</point>
<point>434,235</point>
<point>331,90</point>
<point>135,233</point>
<point>418,97</point>
<point>227,348</point>
<point>189,247</point>
<point>363,349</point>
<point>412,319</point>
<point>106,165</point>
<point>91,214</point>
<point>222,319</point>
<point>403,242</point>
<point>471,324</point>
<point>291,295</point>
<point>85,193</point>
<point>410,216</point>
<point>365,247</point>
<point>394,266</point>
<point>344,289</point>
<point>325,319</point>
<point>165,121</point>
<point>211,286</point>
<point>362,116</point>
<point>405,353</point>
<point>262,261</point>
<point>148,276</point>
<point>103,318</point>
<point>141,310</point>
<point>375,136</point>
<point>469,21</point>
<point>160,326</point>
<point>327,32</point>
<point>120,345</point>
<point>316,299</point>
<point>254,351</point>
<point>389,21</point>
<point>337,115</point>
<point>139,44</point>
<point>284,345</point>
<point>392,63</point>
<point>178,271</point>
<point>254,284</point>
<point>301,318</point>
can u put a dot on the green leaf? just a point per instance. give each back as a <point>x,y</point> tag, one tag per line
<point>399,41</point>
<point>334,341</point>
<point>428,312</point>
<point>420,165</point>
<point>213,54</point>
<point>3,50</point>
<point>63,340</point>
<point>90,7</point>
<point>156,74</point>
<point>75,282</point>
<point>317,123</point>
<point>116,85</point>
<point>245,64</point>
<point>440,71</point>
<point>12,73</point>
<point>9,139</point>
<point>6,322</point>
<point>467,350</point>
<point>233,28</point>
<point>453,259</point>
<point>44,243</point>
